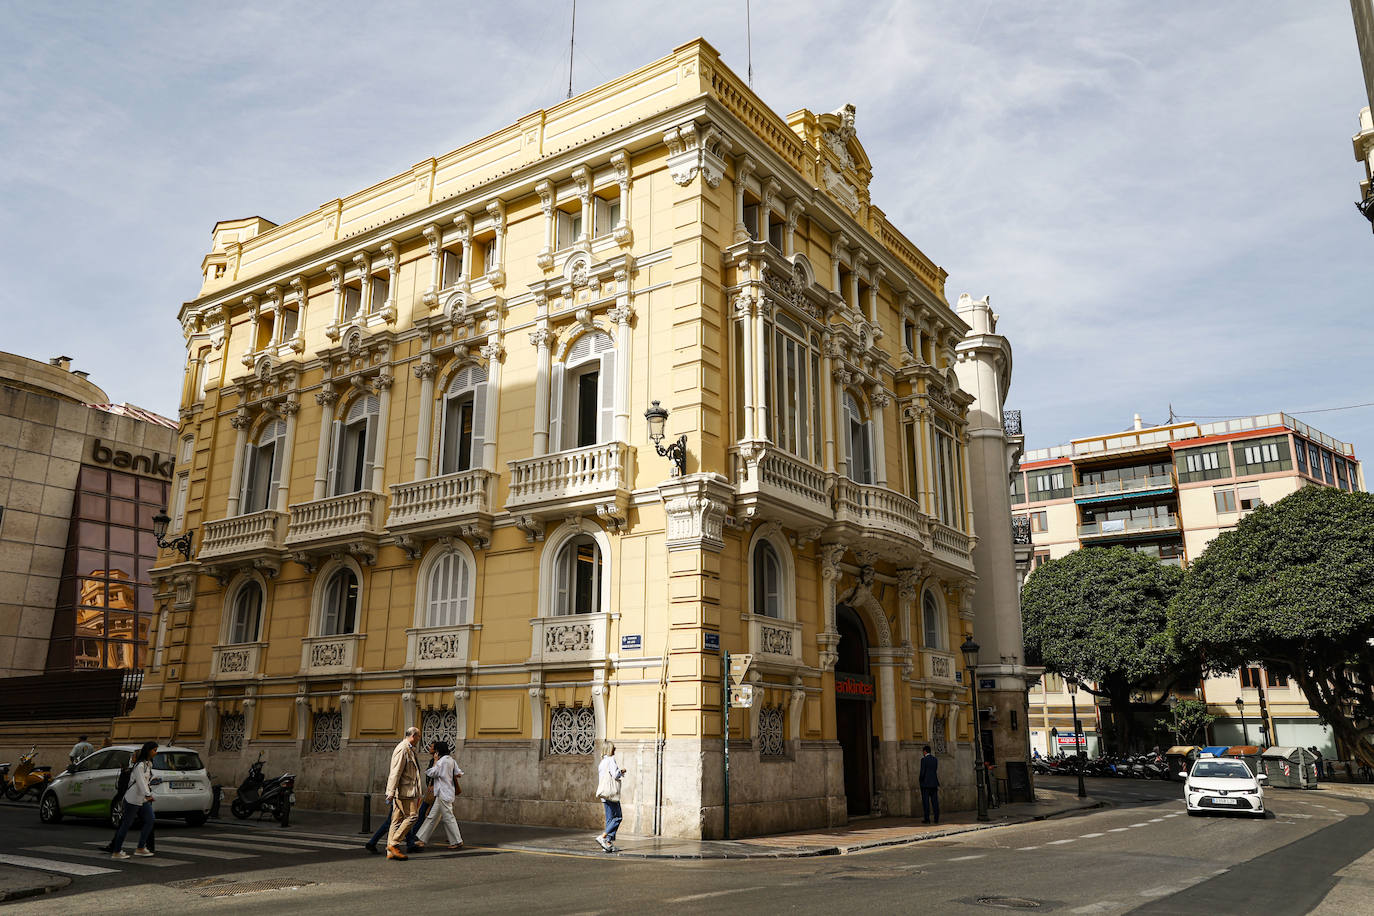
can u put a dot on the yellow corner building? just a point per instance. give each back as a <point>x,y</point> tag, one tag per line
<point>415,455</point>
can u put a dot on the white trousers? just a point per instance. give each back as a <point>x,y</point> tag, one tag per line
<point>440,809</point>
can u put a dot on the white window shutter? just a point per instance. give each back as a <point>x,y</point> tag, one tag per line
<point>606,426</point>
<point>462,583</point>
<point>563,580</point>
<point>335,459</point>
<point>278,452</point>
<point>479,421</point>
<point>556,408</point>
<point>369,446</point>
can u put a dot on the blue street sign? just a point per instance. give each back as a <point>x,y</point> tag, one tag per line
<point>987,683</point>
<point>712,642</point>
<point>634,641</point>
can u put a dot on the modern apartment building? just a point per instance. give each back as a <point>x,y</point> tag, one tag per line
<point>1167,491</point>
<point>421,491</point>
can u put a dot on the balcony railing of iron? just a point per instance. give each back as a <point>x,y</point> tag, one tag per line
<point>1011,422</point>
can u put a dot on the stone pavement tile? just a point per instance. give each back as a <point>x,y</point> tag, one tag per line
<point>18,883</point>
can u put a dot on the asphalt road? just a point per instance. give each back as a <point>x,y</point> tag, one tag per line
<point>1139,855</point>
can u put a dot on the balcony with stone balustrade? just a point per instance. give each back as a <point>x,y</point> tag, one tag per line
<point>594,479</point>
<point>455,504</point>
<point>570,640</point>
<point>254,539</point>
<point>351,522</point>
<point>940,667</point>
<point>331,655</point>
<point>774,641</point>
<point>439,648</point>
<point>237,662</point>
<point>775,486</point>
<point>880,520</point>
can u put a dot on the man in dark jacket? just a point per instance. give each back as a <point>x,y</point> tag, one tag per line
<point>930,785</point>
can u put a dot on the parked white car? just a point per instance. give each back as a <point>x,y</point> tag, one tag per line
<point>87,788</point>
<point>1218,784</point>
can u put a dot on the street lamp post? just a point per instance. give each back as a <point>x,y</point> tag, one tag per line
<point>1072,684</point>
<point>1173,711</point>
<point>970,650</point>
<point>182,544</point>
<point>676,451</point>
<point>1240,707</point>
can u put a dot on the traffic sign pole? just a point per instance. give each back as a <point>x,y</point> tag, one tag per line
<point>725,729</point>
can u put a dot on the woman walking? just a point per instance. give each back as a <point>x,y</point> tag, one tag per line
<point>608,776</point>
<point>138,799</point>
<point>443,775</point>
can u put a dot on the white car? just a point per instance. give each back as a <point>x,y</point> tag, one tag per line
<point>1219,784</point>
<point>181,787</point>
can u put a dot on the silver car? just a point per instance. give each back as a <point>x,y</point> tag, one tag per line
<point>181,787</point>
<point>1218,784</point>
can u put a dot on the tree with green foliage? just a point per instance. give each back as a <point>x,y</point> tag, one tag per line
<point>1188,721</point>
<point>1292,587</point>
<point>1100,615</point>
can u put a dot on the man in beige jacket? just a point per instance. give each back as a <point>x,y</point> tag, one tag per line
<point>403,791</point>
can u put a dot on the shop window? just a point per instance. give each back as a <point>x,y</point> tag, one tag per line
<point>572,731</point>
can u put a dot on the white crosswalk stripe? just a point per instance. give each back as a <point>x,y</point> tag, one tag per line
<point>253,846</point>
<point>300,841</point>
<point>189,847</point>
<point>55,865</point>
<point>154,862</point>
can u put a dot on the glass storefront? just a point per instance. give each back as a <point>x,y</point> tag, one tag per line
<point>105,602</point>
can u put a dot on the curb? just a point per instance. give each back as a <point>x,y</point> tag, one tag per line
<point>55,883</point>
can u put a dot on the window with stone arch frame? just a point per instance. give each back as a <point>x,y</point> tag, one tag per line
<point>583,393</point>
<point>772,591</point>
<point>574,571</point>
<point>462,421</point>
<point>932,620</point>
<point>858,439</point>
<point>244,610</point>
<point>338,599</point>
<point>446,586</point>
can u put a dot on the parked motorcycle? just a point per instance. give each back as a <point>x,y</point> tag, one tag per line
<point>27,778</point>
<point>256,794</point>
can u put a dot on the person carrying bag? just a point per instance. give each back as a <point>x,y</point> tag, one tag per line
<point>608,777</point>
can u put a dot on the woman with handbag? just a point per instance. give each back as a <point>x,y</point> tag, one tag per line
<point>444,775</point>
<point>608,776</point>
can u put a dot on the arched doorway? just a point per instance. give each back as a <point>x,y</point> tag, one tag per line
<point>854,695</point>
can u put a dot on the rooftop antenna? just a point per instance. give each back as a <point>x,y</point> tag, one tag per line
<point>1171,413</point>
<point>572,37</point>
<point>748,41</point>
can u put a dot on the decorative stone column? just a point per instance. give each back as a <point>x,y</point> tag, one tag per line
<point>880,400</point>
<point>434,238</point>
<point>744,314</point>
<point>382,383</point>
<point>829,416</point>
<point>288,409</point>
<point>762,310</point>
<point>496,275</point>
<point>542,338</point>
<point>364,265</point>
<point>302,294</point>
<point>620,161</point>
<point>838,245</point>
<point>336,273</point>
<point>841,378</point>
<point>582,179</point>
<point>327,398</point>
<point>875,278</point>
<point>425,371</point>
<point>240,421</point>
<point>852,300</point>
<point>495,355</point>
<point>545,190</point>
<point>789,238</point>
<point>743,169</point>
<point>829,638</point>
<point>622,315</point>
<point>464,224</point>
<point>392,254</point>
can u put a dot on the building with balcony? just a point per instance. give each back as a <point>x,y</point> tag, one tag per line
<point>425,495</point>
<point>1168,491</point>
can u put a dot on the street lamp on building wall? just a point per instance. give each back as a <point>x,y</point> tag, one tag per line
<point>676,452</point>
<point>1240,708</point>
<point>970,650</point>
<point>1071,683</point>
<point>181,543</point>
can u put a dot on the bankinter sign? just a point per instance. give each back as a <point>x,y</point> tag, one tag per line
<point>853,687</point>
<point>154,464</point>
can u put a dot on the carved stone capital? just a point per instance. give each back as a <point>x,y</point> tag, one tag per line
<point>831,555</point>
<point>696,149</point>
<point>383,381</point>
<point>241,419</point>
<point>696,506</point>
<point>327,395</point>
<point>542,337</point>
<point>425,369</point>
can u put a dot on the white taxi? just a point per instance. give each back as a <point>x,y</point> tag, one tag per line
<point>181,787</point>
<point>1223,785</point>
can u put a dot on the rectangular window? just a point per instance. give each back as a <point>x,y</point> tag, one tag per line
<point>1328,469</point>
<point>489,256</point>
<point>1248,498</point>
<point>290,324</point>
<point>457,444</point>
<point>1342,480</point>
<point>1225,499</point>
<point>1263,456</point>
<point>1250,678</point>
<point>587,407</point>
<point>1300,453</point>
<point>1054,683</point>
<point>1040,559</point>
<point>1274,679</point>
<point>569,227</point>
<point>352,302</point>
<point>1018,489</point>
<point>1048,484</point>
<point>751,220</point>
<point>1039,521</point>
<point>607,213</point>
<point>451,267</point>
<point>775,234</point>
<point>1211,462</point>
<point>179,502</point>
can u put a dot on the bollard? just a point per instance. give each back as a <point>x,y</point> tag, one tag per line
<point>367,815</point>
<point>217,794</point>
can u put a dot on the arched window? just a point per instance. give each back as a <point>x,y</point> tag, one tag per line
<point>860,437</point>
<point>584,393</point>
<point>577,584</point>
<point>448,591</point>
<point>931,628</point>
<point>262,468</point>
<point>355,439</point>
<point>245,617</point>
<point>339,612</point>
<point>767,580</point>
<point>464,421</point>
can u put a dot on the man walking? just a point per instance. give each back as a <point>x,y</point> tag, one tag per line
<point>930,785</point>
<point>80,750</point>
<point>403,791</point>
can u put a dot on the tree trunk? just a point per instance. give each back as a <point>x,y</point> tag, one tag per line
<point>1333,713</point>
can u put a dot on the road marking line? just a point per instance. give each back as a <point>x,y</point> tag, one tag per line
<point>291,841</point>
<point>1118,829</point>
<point>1100,906</point>
<point>63,868</point>
<point>1089,836</point>
<point>1156,820</point>
<point>1141,824</point>
<point>1162,891</point>
<point>1175,814</point>
<point>709,894</point>
<point>274,830</point>
<point>189,847</point>
<point>966,858</point>
<point>1060,842</point>
<point>248,845</point>
<point>155,861</point>
<point>1026,848</point>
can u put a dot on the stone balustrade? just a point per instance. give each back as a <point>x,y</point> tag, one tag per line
<point>771,639</point>
<point>552,484</point>
<point>331,654</point>
<point>242,534</point>
<point>336,518</point>
<point>236,662</point>
<point>429,648</point>
<point>436,503</point>
<point>571,639</point>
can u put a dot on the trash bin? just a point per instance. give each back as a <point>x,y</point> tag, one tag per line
<point>1290,767</point>
<point>1249,753</point>
<point>1180,759</point>
<point>1018,782</point>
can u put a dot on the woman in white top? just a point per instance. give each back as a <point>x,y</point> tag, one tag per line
<point>608,776</point>
<point>442,776</point>
<point>137,799</point>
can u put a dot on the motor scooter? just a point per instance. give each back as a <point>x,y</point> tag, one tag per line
<point>275,796</point>
<point>27,778</point>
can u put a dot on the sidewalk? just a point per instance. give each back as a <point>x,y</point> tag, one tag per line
<point>869,833</point>
<point>17,883</point>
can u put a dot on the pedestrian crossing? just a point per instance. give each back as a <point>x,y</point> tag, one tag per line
<point>176,850</point>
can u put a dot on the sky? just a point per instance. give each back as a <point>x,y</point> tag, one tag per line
<point>1157,196</point>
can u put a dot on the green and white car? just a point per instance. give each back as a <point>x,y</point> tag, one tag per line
<point>181,787</point>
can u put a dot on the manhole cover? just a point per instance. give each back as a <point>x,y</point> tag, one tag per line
<point>251,887</point>
<point>199,882</point>
<point>1010,903</point>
